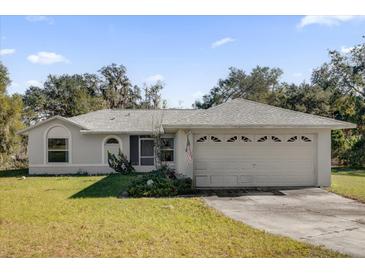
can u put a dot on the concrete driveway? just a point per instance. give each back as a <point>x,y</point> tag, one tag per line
<point>312,215</point>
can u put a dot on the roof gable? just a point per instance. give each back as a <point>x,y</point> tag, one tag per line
<point>24,131</point>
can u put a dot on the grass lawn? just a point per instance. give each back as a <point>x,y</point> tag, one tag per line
<point>349,183</point>
<point>80,216</point>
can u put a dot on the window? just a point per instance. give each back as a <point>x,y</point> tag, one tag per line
<point>167,149</point>
<point>57,150</point>
<point>215,139</point>
<point>202,139</point>
<point>262,139</point>
<point>232,139</point>
<point>112,141</point>
<point>246,139</point>
<point>147,156</point>
<point>292,139</point>
<point>276,139</point>
<point>305,139</point>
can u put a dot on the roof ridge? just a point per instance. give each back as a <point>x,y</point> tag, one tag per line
<point>127,109</point>
<point>142,109</point>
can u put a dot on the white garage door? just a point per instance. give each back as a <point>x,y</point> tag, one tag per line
<point>254,160</point>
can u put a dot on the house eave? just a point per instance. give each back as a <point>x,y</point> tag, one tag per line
<point>128,132</point>
<point>187,126</point>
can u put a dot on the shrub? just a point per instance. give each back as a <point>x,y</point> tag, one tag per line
<point>184,185</point>
<point>355,157</point>
<point>163,182</point>
<point>164,171</point>
<point>120,163</point>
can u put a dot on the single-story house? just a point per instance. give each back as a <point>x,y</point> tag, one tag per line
<point>239,143</point>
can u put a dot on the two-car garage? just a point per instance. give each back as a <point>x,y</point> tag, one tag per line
<point>248,160</point>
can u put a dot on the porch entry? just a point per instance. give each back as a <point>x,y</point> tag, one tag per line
<point>112,146</point>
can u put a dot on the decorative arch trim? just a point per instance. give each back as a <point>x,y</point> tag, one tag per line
<point>45,143</point>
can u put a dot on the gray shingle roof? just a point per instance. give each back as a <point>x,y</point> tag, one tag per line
<point>129,120</point>
<point>250,114</point>
<point>237,113</point>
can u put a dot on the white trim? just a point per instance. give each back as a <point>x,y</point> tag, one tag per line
<point>103,145</point>
<point>173,149</point>
<point>140,151</point>
<point>67,165</point>
<point>95,131</point>
<point>45,146</point>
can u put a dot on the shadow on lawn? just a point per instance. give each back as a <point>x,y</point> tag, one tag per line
<point>14,172</point>
<point>109,186</point>
<point>348,171</point>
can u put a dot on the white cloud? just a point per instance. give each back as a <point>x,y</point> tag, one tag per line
<point>222,41</point>
<point>6,52</point>
<point>346,50</point>
<point>39,18</point>
<point>47,58</point>
<point>326,20</point>
<point>154,78</point>
<point>34,83</point>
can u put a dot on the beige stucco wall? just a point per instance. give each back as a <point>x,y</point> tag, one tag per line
<point>85,154</point>
<point>324,157</point>
<point>182,164</point>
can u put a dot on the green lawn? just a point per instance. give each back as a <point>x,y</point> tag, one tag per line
<point>349,183</point>
<point>80,216</point>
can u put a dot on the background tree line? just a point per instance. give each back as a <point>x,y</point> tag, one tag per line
<point>11,108</point>
<point>336,90</point>
<point>70,95</point>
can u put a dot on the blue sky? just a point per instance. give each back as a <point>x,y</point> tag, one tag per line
<point>189,53</point>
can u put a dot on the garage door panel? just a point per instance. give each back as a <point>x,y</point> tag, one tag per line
<point>209,152</point>
<point>280,180</point>
<point>245,179</point>
<point>255,164</point>
<point>201,165</point>
<point>227,180</point>
<point>202,180</point>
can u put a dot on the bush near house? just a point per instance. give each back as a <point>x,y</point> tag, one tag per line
<point>120,163</point>
<point>163,182</point>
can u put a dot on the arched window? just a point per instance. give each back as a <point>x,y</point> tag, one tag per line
<point>58,143</point>
<point>306,139</point>
<point>262,139</point>
<point>112,141</point>
<point>215,139</point>
<point>202,139</point>
<point>232,139</point>
<point>245,139</point>
<point>292,139</point>
<point>275,139</point>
